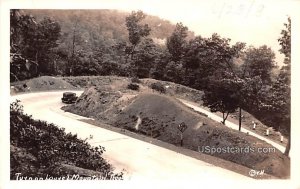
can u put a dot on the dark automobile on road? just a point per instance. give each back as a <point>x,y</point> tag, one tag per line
<point>69,97</point>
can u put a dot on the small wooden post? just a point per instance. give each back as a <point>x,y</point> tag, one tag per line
<point>181,139</point>
<point>181,127</point>
<point>240,118</point>
<point>267,133</point>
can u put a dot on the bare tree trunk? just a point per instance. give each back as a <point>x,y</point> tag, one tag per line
<point>240,118</point>
<point>73,48</point>
<point>132,52</point>
<point>223,122</point>
<point>288,147</point>
<point>16,78</point>
<point>36,66</point>
<point>55,66</point>
<point>224,117</point>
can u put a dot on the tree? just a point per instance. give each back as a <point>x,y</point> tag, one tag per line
<point>46,40</point>
<point>285,43</point>
<point>222,94</point>
<point>32,43</point>
<point>20,64</point>
<point>177,41</point>
<point>136,31</point>
<point>270,102</point>
<point>255,72</point>
<point>146,54</point>
<point>75,39</point>
<point>173,72</point>
<point>281,105</point>
<point>204,56</point>
<point>284,80</point>
<point>84,63</point>
<point>158,71</point>
<point>259,62</point>
<point>213,58</point>
<point>277,99</point>
<point>250,96</point>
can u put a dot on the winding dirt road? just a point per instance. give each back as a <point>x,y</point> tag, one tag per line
<point>232,125</point>
<point>141,160</point>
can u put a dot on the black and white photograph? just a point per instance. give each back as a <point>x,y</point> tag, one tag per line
<point>129,91</point>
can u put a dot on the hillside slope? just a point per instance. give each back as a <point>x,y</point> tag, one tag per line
<point>158,116</point>
<point>103,23</point>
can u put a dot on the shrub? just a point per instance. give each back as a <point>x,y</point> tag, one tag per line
<point>158,87</point>
<point>50,147</point>
<point>133,86</point>
<point>135,80</point>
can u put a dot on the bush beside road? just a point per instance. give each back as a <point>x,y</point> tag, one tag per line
<point>39,150</point>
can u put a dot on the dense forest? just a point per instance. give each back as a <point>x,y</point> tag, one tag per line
<point>109,42</point>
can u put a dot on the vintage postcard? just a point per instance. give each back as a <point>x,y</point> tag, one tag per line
<point>174,92</point>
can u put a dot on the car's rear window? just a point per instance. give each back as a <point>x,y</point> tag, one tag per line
<point>69,94</point>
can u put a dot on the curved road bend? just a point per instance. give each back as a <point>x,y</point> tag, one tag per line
<point>141,160</point>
